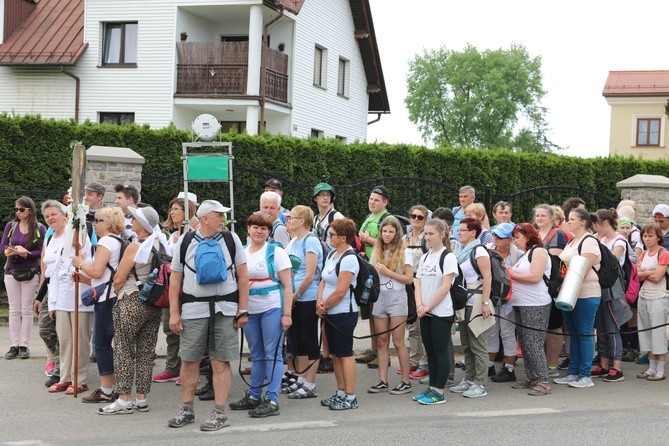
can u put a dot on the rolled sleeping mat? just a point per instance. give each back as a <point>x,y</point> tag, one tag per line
<point>573,281</point>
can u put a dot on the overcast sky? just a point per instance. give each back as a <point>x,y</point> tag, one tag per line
<point>579,42</point>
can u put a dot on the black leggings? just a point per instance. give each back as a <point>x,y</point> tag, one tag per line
<point>436,335</point>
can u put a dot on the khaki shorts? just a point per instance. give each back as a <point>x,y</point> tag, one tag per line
<point>193,341</point>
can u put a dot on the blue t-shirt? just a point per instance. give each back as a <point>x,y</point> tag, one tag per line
<point>459,214</point>
<point>350,264</point>
<point>300,248</point>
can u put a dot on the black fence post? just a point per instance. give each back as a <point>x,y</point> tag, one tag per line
<point>486,200</point>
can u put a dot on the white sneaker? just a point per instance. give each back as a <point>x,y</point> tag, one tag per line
<point>424,380</point>
<point>566,379</point>
<point>475,391</point>
<point>462,387</point>
<point>585,381</point>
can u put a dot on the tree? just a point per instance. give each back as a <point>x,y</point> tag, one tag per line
<point>487,100</point>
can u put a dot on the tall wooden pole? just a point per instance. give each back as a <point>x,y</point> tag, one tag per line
<point>78,183</point>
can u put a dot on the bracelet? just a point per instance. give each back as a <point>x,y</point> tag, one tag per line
<point>287,315</point>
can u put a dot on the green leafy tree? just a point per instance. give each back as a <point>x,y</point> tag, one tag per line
<point>487,100</point>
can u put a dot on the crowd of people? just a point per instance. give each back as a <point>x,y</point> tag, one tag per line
<point>293,281</point>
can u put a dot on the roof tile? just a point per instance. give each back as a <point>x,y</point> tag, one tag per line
<point>637,83</point>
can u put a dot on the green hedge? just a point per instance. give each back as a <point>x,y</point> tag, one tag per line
<point>35,154</point>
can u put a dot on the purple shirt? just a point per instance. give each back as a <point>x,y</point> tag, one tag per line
<point>19,238</point>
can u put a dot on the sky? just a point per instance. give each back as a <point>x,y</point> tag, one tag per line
<point>579,42</point>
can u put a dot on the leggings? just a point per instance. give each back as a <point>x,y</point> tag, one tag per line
<point>609,346</point>
<point>436,335</point>
<point>532,341</point>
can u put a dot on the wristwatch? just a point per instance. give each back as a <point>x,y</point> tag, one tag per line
<point>486,303</point>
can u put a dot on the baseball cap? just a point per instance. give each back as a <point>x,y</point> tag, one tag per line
<point>274,183</point>
<point>381,190</point>
<point>147,217</point>
<point>661,209</point>
<point>503,230</point>
<point>191,197</point>
<point>209,206</point>
<point>95,187</point>
<point>321,187</point>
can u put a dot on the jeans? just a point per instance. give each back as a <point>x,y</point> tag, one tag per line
<point>580,323</point>
<point>263,333</point>
<point>103,333</point>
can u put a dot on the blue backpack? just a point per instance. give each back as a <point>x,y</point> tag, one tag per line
<point>210,266</point>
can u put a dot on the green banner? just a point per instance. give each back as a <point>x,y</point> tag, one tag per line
<point>208,168</point>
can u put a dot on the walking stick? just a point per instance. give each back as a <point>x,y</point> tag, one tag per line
<point>78,179</point>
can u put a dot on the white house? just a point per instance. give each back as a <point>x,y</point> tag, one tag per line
<point>162,61</point>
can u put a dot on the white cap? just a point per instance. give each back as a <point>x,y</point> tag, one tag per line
<point>661,209</point>
<point>191,197</point>
<point>209,206</point>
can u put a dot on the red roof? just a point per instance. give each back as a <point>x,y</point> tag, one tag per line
<point>637,83</point>
<point>53,34</point>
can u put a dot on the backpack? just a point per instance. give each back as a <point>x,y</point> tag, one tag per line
<point>92,295</point>
<point>632,284</point>
<point>366,270</point>
<point>159,296</point>
<point>275,225</point>
<point>609,268</point>
<point>319,231</point>
<point>209,257</point>
<point>554,282</point>
<point>458,292</point>
<point>500,288</point>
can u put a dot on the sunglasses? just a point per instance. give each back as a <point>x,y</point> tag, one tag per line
<point>417,217</point>
<point>19,209</point>
<point>519,229</point>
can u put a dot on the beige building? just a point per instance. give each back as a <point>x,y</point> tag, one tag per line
<point>639,103</point>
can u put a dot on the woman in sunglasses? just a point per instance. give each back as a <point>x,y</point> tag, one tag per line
<point>394,264</point>
<point>21,243</point>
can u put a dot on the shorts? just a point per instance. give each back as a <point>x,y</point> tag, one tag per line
<point>303,333</point>
<point>194,339</point>
<point>340,339</point>
<point>391,304</point>
<point>555,318</point>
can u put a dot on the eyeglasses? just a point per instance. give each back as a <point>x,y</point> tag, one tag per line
<point>19,209</point>
<point>417,217</point>
<point>290,217</point>
<point>98,220</point>
<point>332,234</point>
<point>461,229</point>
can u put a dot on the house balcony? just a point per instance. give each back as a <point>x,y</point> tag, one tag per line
<point>220,70</point>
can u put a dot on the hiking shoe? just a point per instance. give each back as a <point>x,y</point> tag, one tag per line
<point>504,376</point>
<point>565,379</point>
<point>50,368</point>
<point>24,353</point>
<point>614,376</point>
<point>431,398</point>
<point>327,402</point>
<point>141,406</point>
<point>462,387</point>
<point>475,391</point>
<point>491,371</point>
<point>365,357</point>
<point>344,404</point>
<point>630,355</point>
<point>418,396</point>
<point>185,416</point>
<point>217,420</point>
<point>12,353</point>
<point>378,387</point>
<point>643,359</point>
<point>564,365</point>
<point>584,381</point>
<point>98,396</point>
<point>116,408</point>
<point>599,371</point>
<point>53,379</point>
<point>401,388</point>
<point>265,409</point>
<point>246,403</point>
<point>325,365</point>
<point>206,392</point>
<point>553,372</point>
<point>164,377</point>
<point>421,372</point>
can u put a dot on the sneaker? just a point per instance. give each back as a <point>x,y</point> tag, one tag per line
<point>630,355</point>
<point>504,376</point>
<point>116,408</point>
<point>421,372</point>
<point>614,376</point>
<point>378,387</point>
<point>462,387</point>
<point>374,364</point>
<point>24,353</point>
<point>365,357</point>
<point>431,398</point>
<point>519,352</point>
<point>412,368</point>
<point>553,372</point>
<point>418,396</point>
<point>460,365</point>
<point>206,392</point>
<point>596,360</point>
<point>642,359</point>
<point>164,377</point>
<point>449,383</point>
<point>186,416</point>
<point>327,402</point>
<point>50,368</point>
<point>599,371</point>
<point>565,379</point>
<point>401,388</point>
<point>53,379</point>
<point>98,396</point>
<point>12,353</point>
<point>344,404</point>
<point>178,381</point>
<point>325,365</point>
<point>585,381</point>
<point>246,403</point>
<point>265,409</point>
<point>491,371</point>
<point>425,380</point>
<point>564,365</point>
<point>217,420</point>
<point>475,391</point>
<point>141,407</point>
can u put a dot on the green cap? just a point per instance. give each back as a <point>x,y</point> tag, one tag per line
<point>320,187</point>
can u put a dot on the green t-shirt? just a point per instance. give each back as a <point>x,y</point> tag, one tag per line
<point>371,225</point>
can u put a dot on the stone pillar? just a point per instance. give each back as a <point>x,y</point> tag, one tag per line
<point>110,166</point>
<point>647,191</point>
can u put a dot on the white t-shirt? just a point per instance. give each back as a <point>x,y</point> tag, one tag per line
<point>530,294</point>
<point>431,278</point>
<point>388,283</point>
<point>257,265</point>
<point>471,276</point>
<point>59,270</point>
<point>114,247</point>
<point>350,264</point>
<point>325,223</point>
<point>618,240</point>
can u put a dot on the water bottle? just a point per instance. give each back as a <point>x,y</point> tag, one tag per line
<point>364,297</point>
<point>146,289</point>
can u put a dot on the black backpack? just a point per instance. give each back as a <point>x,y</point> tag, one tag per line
<point>366,270</point>
<point>458,292</point>
<point>609,268</point>
<point>554,282</point>
<point>500,288</point>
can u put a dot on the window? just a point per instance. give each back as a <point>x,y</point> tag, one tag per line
<point>648,132</point>
<point>120,44</point>
<point>341,138</point>
<point>117,118</point>
<point>317,134</point>
<point>342,80</point>
<point>320,66</point>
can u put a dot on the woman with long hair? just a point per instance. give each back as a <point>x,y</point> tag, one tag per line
<point>21,243</point>
<point>394,264</point>
<point>532,306</point>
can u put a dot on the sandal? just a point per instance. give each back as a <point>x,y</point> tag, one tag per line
<point>292,388</point>
<point>526,384</point>
<point>540,389</point>
<point>80,389</point>
<point>59,387</point>
<point>302,393</point>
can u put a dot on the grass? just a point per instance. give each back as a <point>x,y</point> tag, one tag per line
<point>4,312</point>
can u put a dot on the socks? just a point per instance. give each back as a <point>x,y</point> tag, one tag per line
<point>660,368</point>
<point>350,397</point>
<point>509,367</point>
<point>107,390</point>
<point>123,403</point>
<point>491,363</point>
<point>309,386</point>
<point>220,407</point>
<point>301,380</point>
<point>340,393</point>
